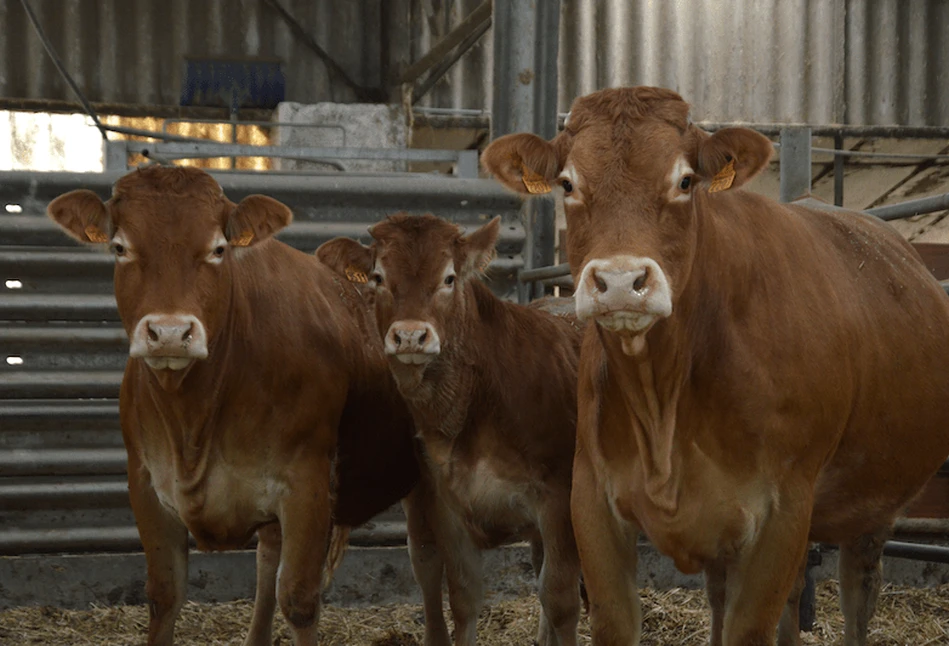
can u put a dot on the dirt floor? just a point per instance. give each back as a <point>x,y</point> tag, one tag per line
<point>905,616</point>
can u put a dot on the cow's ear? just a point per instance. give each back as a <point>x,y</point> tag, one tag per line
<point>522,162</point>
<point>477,249</point>
<point>348,258</point>
<point>82,215</point>
<point>732,156</point>
<point>256,218</point>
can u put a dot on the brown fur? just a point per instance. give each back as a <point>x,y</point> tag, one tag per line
<point>291,424</point>
<point>764,412</point>
<point>495,409</point>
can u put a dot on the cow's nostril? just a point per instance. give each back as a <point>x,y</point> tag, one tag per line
<point>423,336</point>
<point>640,283</point>
<point>187,335</point>
<point>152,334</point>
<point>398,339</point>
<point>598,282</point>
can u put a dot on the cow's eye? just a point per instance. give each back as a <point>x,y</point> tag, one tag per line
<point>118,249</point>
<point>685,183</point>
<point>567,185</point>
<point>450,280</point>
<point>219,251</point>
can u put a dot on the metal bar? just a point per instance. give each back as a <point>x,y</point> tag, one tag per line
<point>467,164</point>
<point>43,262</point>
<point>64,338</point>
<point>917,551</point>
<point>73,540</point>
<point>838,171</point>
<point>65,495</point>
<point>301,234</point>
<point>63,462</point>
<point>471,23</point>
<point>921,526</point>
<point>540,273</point>
<point>31,416</point>
<point>911,208</point>
<point>407,191</point>
<point>26,384</point>
<point>795,166</point>
<point>58,307</point>
<point>214,149</point>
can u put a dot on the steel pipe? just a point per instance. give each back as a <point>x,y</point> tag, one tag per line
<point>25,384</point>
<point>408,191</point>
<point>917,551</point>
<point>64,339</point>
<point>542,273</point>
<point>64,495</point>
<point>31,415</point>
<point>58,307</point>
<point>62,462</point>
<point>911,208</point>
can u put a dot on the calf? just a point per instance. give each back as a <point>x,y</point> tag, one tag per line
<point>491,387</point>
<point>250,400</point>
<point>759,375</point>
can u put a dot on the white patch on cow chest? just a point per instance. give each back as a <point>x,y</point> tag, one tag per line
<point>484,492</point>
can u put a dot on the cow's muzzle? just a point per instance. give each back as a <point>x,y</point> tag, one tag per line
<point>624,294</point>
<point>169,341</point>
<point>412,342</point>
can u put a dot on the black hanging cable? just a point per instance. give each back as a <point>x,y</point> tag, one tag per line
<point>62,70</point>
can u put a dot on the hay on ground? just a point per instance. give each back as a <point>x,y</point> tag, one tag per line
<point>904,616</point>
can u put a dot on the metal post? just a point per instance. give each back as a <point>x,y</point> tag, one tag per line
<point>115,155</point>
<point>526,41</point>
<point>795,162</point>
<point>807,610</point>
<point>838,171</point>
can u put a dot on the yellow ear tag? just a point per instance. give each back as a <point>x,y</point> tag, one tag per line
<point>95,234</point>
<point>724,178</point>
<point>244,240</point>
<point>534,183</point>
<point>353,275</point>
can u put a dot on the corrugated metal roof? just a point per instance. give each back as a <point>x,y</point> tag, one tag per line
<point>815,61</point>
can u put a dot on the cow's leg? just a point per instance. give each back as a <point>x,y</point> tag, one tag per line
<point>608,559</point>
<point>861,573</point>
<point>265,601</point>
<point>559,576</point>
<point>537,564</point>
<point>305,525</point>
<point>759,582</point>
<point>427,564</point>
<point>463,569</point>
<point>165,540</point>
<point>789,628</point>
<point>715,590</point>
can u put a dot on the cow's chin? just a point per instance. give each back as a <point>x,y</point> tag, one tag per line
<point>630,327</point>
<point>169,371</point>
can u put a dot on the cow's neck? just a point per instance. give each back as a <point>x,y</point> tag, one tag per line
<point>649,385</point>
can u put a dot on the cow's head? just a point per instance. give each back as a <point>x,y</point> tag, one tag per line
<point>176,239</point>
<point>415,272</point>
<point>633,173</point>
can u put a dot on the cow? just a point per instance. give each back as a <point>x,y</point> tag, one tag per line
<point>492,389</point>
<point>760,375</point>
<point>252,401</point>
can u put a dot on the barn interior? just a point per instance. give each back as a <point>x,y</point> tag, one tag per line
<point>350,110</point>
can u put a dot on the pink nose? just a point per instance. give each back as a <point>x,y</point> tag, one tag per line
<point>623,293</point>
<point>169,335</point>
<point>412,341</point>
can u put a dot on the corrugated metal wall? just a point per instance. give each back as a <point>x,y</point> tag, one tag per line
<point>816,61</point>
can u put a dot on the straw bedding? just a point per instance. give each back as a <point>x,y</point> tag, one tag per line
<point>904,616</point>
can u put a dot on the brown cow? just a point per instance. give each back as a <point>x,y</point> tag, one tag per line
<point>246,358</point>
<point>492,388</point>
<point>761,374</point>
